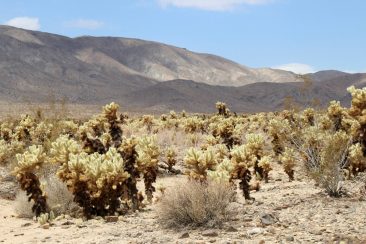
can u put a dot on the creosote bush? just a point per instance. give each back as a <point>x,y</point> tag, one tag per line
<point>193,203</point>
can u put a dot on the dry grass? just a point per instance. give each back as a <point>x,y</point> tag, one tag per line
<point>196,204</point>
<point>59,199</point>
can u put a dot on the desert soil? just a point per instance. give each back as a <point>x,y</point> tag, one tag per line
<point>283,212</point>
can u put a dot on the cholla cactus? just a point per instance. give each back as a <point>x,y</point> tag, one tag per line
<point>222,109</point>
<point>148,159</point>
<point>170,158</point>
<point>22,131</point>
<point>309,116</point>
<point>225,130</point>
<point>46,218</point>
<point>96,181</point>
<point>357,159</point>
<point>335,113</point>
<point>62,148</point>
<point>221,151</point>
<point>41,132</point>
<point>222,173</point>
<point>131,196</point>
<point>242,159</point>
<point>148,121</point>
<point>114,123</point>
<point>288,161</point>
<point>193,124</point>
<point>199,162</point>
<point>255,146</point>
<point>9,149</point>
<point>210,140</point>
<point>357,111</point>
<point>28,162</point>
<point>279,130</point>
<point>265,164</point>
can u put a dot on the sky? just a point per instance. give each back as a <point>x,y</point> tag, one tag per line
<point>298,35</point>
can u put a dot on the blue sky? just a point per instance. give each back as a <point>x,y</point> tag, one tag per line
<point>299,35</point>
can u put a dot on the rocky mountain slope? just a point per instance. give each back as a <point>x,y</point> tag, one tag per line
<point>144,75</point>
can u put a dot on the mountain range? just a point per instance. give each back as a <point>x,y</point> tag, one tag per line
<point>150,76</point>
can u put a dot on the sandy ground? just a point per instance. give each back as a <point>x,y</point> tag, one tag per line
<point>283,212</point>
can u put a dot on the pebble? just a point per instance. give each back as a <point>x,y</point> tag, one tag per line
<point>184,235</point>
<point>111,219</point>
<point>290,238</point>
<point>26,224</point>
<point>231,229</point>
<point>255,231</point>
<point>210,233</point>
<point>46,226</point>
<point>267,219</point>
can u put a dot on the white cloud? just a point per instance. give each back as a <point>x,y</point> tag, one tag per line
<point>213,5</point>
<point>296,68</point>
<point>85,24</point>
<point>28,23</point>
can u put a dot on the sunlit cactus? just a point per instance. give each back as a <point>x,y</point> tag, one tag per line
<point>222,109</point>
<point>265,164</point>
<point>96,181</point>
<point>222,173</point>
<point>131,197</point>
<point>148,159</point>
<point>242,160</point>
<point>27,163</point>
<point>199,162</point>
<point>170,158</point>
<point>357,159</point>
<point>358,112</point>
<point>288,161</point>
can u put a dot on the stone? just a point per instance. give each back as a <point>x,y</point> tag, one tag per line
<point>255,231</point>
<point>210,233</point>
<point>290,238</point>
<point>26,224</point>
<point>67,222</point>
<point>267,219</point>
<point>111,219</point>
<point>231,229</point>
<point>184,235</point>
<point>46,226</point>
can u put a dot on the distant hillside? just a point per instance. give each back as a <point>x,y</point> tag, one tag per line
<point>145,75</point>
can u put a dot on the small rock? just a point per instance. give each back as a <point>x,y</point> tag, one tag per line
<point>26,224</point>
<point>290,238</point>
<point>267,219</point>
<point>255,231</point>
<point>248,219</point>
<point>68,223</point>
<point>210,233</point>
<point>271,230</point>
<point>111,219</point>
<point>184,235</point>
<point>231,229</point>
<point>212,241</point>
<point>46,226</point>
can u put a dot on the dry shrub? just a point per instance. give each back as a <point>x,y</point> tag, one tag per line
<point>22,207</point>
<point>196,204</point>
<point>59,199</point>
